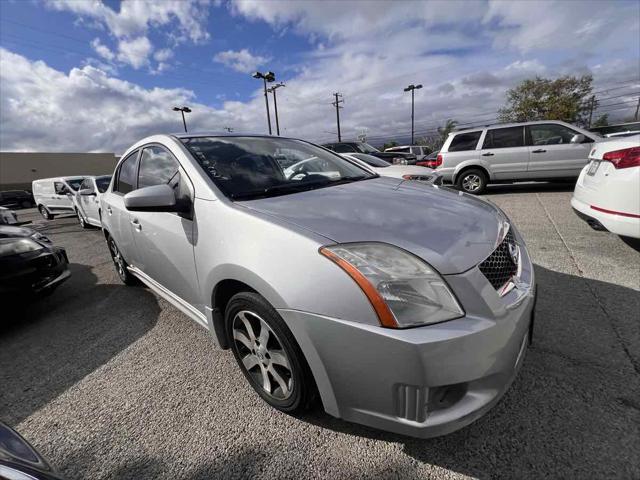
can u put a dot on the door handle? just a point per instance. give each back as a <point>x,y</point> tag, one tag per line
<point>109,211</point>
<point>540,150</point>
<point>136,224</point>
<point>488,154</point>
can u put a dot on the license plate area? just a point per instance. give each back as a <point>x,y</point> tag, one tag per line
<point>593,167</point>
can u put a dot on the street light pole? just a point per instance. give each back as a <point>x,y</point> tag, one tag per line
<point>412,88</point>
<point>183,110</point>
<point>275,104</point>
<point>266,77</point>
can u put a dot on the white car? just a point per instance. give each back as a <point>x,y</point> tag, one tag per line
<point>54,196</point>
<point>385,169</point>
<point>87,200</point>
<point>607,195</point>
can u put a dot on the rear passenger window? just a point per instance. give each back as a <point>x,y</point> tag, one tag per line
<point>504,138</point>
<point>552,134</point>
<point>157,167</point>
<point>127,174</point>
<point>464,141</point>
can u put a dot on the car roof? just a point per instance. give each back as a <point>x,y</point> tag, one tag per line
<point>224,134</point>
<point>507,125</point>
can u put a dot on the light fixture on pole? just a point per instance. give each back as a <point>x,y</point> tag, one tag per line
<point>412,88</point>
<point>275,104</point>
<point>183,110</point>
<point>266,77</point>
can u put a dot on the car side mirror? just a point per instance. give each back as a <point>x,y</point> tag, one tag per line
<point>578,138</point>
<point>87,192</point>
<point>157,198</point>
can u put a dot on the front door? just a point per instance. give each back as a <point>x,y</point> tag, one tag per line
<point>61,198</point>
<point>165,240</point>
<point>552,154</point>
<point>505,151</point>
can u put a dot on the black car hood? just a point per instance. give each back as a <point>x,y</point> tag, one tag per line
<point>9,231</point>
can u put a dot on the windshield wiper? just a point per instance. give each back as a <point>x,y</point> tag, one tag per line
<point>285,188</point>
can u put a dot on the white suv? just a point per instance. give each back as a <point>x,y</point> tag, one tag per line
<point>543,150</point>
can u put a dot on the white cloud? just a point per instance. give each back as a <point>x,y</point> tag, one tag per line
<point>163,55</point>
<point>241,61</point>
<point>102,50</point>
<point>135,17</point>
<point>135,52</point>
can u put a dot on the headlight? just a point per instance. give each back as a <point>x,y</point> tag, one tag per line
<point>403,290</point>
<point>399,161</point>
<point>14,246</point>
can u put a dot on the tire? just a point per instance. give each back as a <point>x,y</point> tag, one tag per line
<point>82,221</point>
<point>473,181</point>
<point>45,213</point>
<point>120,263</point>
<point>289,386</point>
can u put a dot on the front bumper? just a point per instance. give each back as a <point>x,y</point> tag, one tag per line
<point>33,272</point>
<point>425,381</point>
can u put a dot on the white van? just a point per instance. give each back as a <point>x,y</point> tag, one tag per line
<point>54,196</point>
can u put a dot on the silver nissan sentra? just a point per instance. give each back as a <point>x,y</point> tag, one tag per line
<point>398,304</point>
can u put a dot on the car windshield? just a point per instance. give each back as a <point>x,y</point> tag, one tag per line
<point>366,148</point>
<point>255,167</point>
<point>371,160</point>
<point>74,182</point>
<point>103,183</point>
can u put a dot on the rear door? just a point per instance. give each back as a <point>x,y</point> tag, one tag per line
<point>115,216</point>
<point>165,240</point>
<point>504,149</point>
<point>551,152</point>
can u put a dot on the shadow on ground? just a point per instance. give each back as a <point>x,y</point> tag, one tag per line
<point>530,187</point>
<point>49,344</point>
<point>573,411</point>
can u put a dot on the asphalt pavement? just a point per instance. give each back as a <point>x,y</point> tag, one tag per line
<point>111,382</point>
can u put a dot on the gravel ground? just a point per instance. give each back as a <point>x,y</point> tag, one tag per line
<point>109,381</point>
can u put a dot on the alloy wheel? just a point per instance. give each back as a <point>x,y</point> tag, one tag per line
<point>262,355</point>
<point>471,182</point>
<point>117,258</point>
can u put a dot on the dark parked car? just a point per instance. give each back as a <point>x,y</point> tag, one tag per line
<point>362,147</point>
<point>19,460</point>
<point>16,199</point>
<point>29,263</point>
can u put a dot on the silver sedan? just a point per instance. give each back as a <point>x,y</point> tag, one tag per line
<point>398,305</point>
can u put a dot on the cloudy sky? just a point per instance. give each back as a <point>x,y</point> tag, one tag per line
<point>96,76</point>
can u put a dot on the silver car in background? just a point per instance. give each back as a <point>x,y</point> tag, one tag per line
<point>544,150</point>
<point>87,200</point>
<point>399,305</point>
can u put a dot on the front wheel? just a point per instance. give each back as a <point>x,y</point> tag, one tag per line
<point>120,263</point>
<point>267,353</point>
<point>472,181</point>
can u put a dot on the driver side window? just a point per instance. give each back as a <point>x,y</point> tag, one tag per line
<point>61,188</point>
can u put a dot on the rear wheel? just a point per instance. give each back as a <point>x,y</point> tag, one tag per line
<point>472,181</point>
<point>267,353</point>
<point>45,213</point>
<point>120,263</point>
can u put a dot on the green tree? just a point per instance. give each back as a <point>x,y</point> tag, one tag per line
<point>601,121</point>
<point>565,98</point>
<point>390,144</point>
<point>446,129</point>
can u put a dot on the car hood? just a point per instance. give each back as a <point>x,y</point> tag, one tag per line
<point>450,230</point>
<point>7,231</point>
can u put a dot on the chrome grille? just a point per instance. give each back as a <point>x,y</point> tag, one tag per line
<point>499,267</point>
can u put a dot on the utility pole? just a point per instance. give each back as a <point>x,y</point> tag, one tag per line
<point>412,88</point>
<point>275,104</point>
<point>267,77</point>
<point>593,104</point>
<point>336,104</point>
<point>635,117</point>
